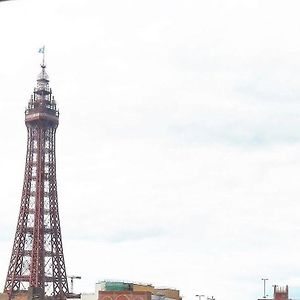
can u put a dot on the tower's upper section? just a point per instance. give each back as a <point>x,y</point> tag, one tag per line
<point>41,109</point>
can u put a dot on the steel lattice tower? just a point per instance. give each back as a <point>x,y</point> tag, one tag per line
<point>37,258</point>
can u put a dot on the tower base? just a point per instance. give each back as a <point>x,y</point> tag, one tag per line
<point>4,296</point>
<point>31,294</point>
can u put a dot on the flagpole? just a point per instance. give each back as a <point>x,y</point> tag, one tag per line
<point>44,55</point>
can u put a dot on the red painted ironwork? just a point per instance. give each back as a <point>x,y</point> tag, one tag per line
<point>37,258</point>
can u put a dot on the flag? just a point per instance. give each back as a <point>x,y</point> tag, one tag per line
<point>42,50</point>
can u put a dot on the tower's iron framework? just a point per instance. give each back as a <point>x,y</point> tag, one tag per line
<point>37,258</point>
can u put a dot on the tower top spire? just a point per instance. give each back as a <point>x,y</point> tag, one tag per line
<point>42,109</point>
<point>43,76</point>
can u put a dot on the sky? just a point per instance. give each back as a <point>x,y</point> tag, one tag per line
<point>178,149</point>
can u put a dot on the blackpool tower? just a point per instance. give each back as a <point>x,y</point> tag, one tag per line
<point>37,259</point>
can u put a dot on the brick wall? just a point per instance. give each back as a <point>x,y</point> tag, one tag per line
<point>123,295</point>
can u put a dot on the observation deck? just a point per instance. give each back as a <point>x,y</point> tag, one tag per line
<point>42,107</point>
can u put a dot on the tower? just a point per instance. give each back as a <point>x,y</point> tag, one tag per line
<point>37,258</point>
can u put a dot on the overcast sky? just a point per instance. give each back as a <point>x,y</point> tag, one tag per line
<point>178,147</point>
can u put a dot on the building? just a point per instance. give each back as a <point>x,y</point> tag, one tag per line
<point>119,290</point>
<point>280,293</point>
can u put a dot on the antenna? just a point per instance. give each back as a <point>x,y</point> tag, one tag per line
<point>44,55</point>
